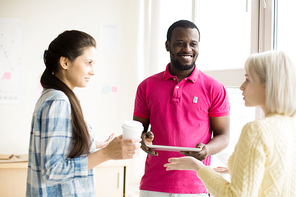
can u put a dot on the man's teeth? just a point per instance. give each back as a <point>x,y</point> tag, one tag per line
<point>186,57</point>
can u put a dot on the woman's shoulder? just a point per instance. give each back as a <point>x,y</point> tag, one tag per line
<point>273,120</point>
<point>255,124</point>
<point>270,125</point>
<point>50,95</point>
<point>54,94</point>
<point>256,127</point>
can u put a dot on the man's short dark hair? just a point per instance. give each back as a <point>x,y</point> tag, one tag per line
<point>181,23</point>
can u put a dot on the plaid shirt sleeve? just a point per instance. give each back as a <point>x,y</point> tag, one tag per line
<point>56,142</point>
<point>50,144</point>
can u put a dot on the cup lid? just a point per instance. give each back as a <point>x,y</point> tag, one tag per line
<point>133,125</point>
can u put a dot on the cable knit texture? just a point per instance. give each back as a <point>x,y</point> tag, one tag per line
<point>263,162</point>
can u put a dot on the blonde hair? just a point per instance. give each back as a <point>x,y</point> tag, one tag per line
<point>277,72</point>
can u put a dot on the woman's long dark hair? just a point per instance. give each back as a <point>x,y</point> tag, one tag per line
<point>69,44</point>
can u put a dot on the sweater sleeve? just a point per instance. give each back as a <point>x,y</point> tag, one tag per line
<point>246,166</point>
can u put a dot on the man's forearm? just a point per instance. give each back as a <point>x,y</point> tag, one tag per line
<point>217,144</point>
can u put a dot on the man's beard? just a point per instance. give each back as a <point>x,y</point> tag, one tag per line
<point>180,66</point>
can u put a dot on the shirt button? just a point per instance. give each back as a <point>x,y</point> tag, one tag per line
<point>177,87</point>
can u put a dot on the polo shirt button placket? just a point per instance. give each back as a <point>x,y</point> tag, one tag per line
<point>176,94</point>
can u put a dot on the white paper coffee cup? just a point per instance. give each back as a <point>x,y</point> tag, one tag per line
<point>132,129</point>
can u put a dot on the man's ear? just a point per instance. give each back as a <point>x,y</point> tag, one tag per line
<point>167,45</point>
<point>64,62</point>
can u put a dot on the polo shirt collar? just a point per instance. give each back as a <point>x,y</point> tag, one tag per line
<point>193,77</point>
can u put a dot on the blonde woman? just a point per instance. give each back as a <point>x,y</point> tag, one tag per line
<point>264,160</point>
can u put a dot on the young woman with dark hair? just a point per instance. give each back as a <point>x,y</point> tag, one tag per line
<point>62,151</point>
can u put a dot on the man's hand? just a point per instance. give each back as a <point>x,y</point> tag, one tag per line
<point>147,138</point>
<point>201,155</point>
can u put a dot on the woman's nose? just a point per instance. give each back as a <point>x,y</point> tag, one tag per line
<point>91,72</point>
<point>241,87</point>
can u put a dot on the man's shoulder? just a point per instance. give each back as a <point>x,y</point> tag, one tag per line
<point>207,77</point>
<point>155,77</point>
<point>209,81</point>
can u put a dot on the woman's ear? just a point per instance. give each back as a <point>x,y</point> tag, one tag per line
<point>64,62</point>
<point>167,45</point>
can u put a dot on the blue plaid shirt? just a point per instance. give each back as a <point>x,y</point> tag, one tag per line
<point>50,172</point>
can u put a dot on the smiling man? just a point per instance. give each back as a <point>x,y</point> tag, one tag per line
<point>184,108</point>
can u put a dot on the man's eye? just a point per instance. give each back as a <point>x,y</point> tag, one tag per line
<point>180,44</point>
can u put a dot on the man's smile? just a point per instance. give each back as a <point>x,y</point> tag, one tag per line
<point>186,57</point>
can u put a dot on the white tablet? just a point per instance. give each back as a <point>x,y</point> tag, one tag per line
<point>173,148</point>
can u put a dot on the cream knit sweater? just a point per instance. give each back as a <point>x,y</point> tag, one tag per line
<point>262,164</point>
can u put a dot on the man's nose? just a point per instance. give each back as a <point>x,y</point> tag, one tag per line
<point>187,48</point>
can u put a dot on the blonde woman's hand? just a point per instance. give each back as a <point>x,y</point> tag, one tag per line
<point>184,163</point>
<point>222,170</point>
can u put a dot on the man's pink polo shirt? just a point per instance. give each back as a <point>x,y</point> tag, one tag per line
<point>179,116</point>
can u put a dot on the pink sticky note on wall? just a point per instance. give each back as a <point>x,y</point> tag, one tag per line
<point>114,89</point>
<point>7,76</point>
